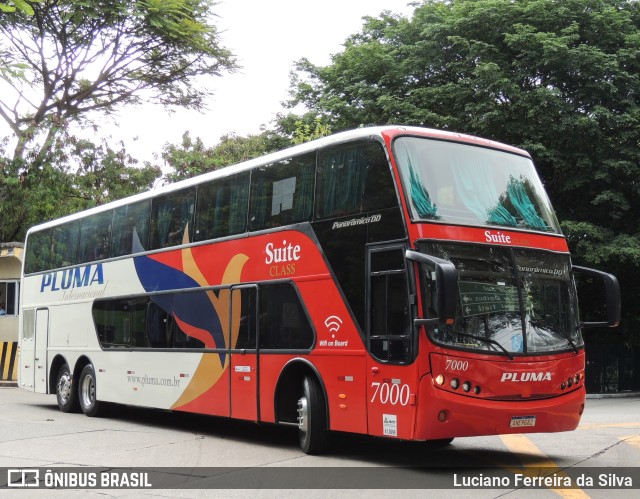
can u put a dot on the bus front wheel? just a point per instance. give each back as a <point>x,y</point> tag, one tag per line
<point>312,418</point>
<point>87,391</point>
<point>65,390</point>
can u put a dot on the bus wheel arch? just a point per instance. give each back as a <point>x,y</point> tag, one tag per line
<point>82,361</point>
<point>57,362</point>
<point>300,398</point>
<point>61,382</point>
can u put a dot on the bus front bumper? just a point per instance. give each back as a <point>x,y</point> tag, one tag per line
<point>442,414</point>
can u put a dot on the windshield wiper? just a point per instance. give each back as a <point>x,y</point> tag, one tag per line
<point>554,329</point>
<point>573,345</point>
<point>488,340</point>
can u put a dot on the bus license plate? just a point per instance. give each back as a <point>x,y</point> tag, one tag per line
<point>522,421</point>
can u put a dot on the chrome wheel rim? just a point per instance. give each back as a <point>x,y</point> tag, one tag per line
<point>64,387</point>
<point>88,391</point>
<point>303,415</point>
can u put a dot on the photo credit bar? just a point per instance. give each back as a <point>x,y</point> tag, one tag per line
<point>23,478</point>
<point>76,478</point>
<point>548,478</point>
<point>291,478</point>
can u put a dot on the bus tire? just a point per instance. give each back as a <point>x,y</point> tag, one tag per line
<point>66,394</point>
<point>312,418</point>
<point>87,392</point>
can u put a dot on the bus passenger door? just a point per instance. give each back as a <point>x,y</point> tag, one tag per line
<point>244,353</point>
<point>391,372</point>
<point>40,351</point>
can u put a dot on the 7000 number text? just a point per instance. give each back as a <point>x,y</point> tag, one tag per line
<point>390,393</point>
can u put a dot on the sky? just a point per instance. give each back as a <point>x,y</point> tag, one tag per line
<point>267,37</point>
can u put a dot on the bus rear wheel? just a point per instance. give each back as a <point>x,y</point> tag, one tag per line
<point>87,392</point>
<point>312,418</point>
<point>66,393</point>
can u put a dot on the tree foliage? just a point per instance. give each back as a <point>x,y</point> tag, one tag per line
<point>102,173</point>
<point>192,157</point>
<point>77,174</point>
<point>13,5</point>
<point>558,78</point>
<point>73,57</point>
<point>65,62</point>
<point>304,132</point>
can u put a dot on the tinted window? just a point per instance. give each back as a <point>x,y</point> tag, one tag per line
<point>38,252</point>
<point>245,299</point>
<point>160,327</point>
<point>469,185</point>
<point>113,322</point>
<point>142,323</point>
<point>129,222</point>
<point>95,237</point>
<point>172,218</point>
<point>282,193</point>
<point>139,308</point>
<point>283,322</point>
<point>389,325</point>
<point>65,244</point>
<point>515,300</point>
<point>163,329</point>
<point>222,207</point>
<point>352,179</point>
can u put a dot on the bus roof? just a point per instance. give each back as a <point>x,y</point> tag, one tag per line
<point>376,132</point>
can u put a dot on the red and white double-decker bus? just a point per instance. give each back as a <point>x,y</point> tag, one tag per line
<point>390,281</point>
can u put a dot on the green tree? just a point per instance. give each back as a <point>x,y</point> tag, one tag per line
<point>304,132</point>
<point>42,201</point>
<point>76,174</point>
<point>101,173</point>
<point>13,5</point>
<point>65,62</point>
<point>192,157</point>
<point>558,78</point>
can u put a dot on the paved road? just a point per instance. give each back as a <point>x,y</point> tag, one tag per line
<point>34,434</point>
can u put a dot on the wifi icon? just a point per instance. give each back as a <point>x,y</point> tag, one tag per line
<point>333,323</point>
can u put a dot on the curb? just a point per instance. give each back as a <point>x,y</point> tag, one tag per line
<point>613,395</point>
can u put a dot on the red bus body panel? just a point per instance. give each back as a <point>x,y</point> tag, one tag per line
<point>508,389</point>
<point>475,417</point>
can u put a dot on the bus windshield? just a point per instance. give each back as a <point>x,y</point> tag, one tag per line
<point>463,184</point>
<point>505,292</point>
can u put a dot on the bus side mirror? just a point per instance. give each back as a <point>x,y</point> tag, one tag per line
<point>445,275</point>
<point>611,295</point>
